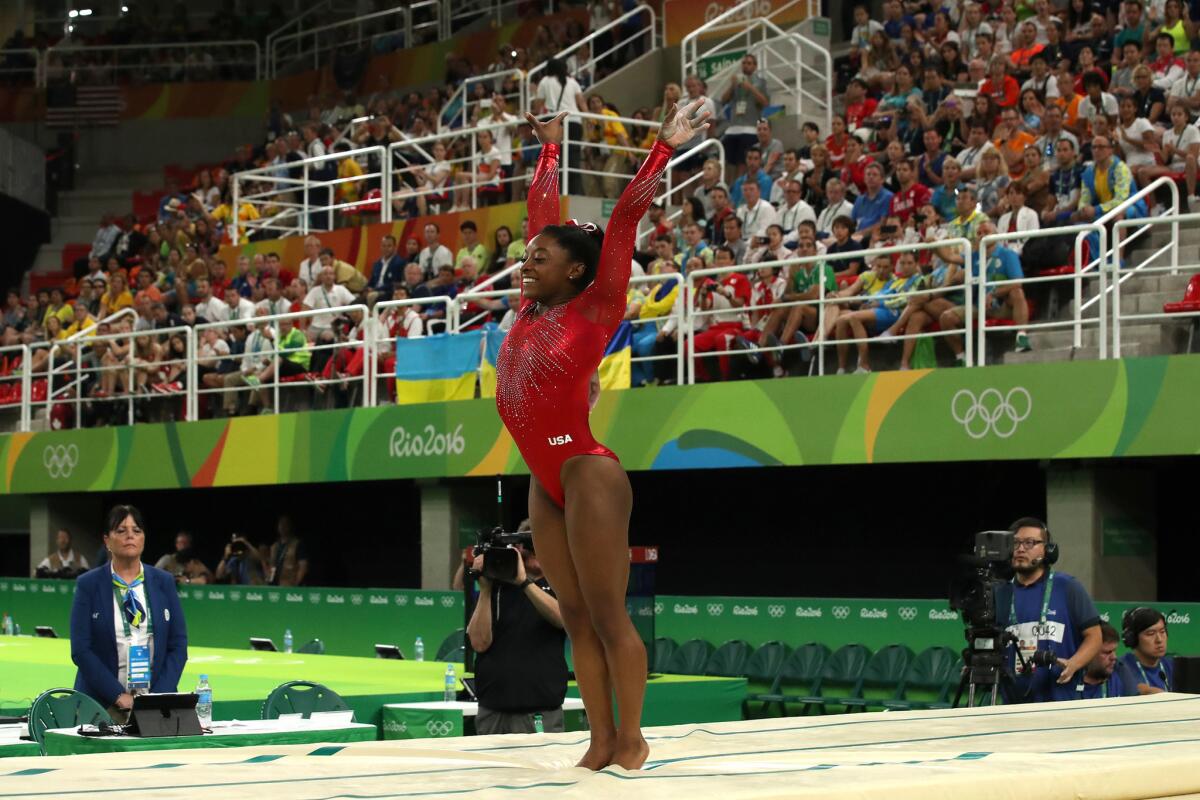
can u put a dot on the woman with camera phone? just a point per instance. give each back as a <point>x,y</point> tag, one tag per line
<point>573,284</point>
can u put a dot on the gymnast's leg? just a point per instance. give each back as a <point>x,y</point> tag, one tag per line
<point>550,542</point>
<point>598,504</point>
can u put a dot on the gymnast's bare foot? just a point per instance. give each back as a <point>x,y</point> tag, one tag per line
<point>599,754</point>
<point>632,755</point>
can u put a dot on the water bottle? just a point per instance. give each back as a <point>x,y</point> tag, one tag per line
<point>419,649</point>
<point>287,640</point>
<point>451,693</point>
<point>204,702</point>
<point>537,724</point>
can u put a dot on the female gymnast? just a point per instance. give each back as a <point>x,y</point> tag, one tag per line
<point>573,284</point>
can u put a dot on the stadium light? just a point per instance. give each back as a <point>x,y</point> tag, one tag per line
<point>85,12</point>
<point>72,13</point>
<point>124,9</point>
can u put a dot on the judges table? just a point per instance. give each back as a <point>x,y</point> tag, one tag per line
<point>253,733</point>
<point>445,718</point>
<point>11,743</point>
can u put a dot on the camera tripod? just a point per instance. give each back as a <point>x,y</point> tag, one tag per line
<point>983,666</point>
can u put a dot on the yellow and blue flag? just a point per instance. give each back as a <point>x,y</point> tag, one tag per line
<point>433,369</point>
<point>493,337</point>
<point>615,367</point>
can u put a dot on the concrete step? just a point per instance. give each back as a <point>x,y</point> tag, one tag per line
<point>1145,302</point>
<point>73,229</point>
<point>95,203</point>
<point>1036,356</point>
<point>140,181</point>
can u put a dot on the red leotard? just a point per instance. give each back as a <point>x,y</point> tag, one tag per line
<point>549,355</point>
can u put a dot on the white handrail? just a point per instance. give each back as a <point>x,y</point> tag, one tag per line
<point>1172,268</point>
<point>373,331</point>
<point>665,198</point>
<point>594,59</point>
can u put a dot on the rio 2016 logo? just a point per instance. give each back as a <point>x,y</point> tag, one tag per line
<point>429,442</point>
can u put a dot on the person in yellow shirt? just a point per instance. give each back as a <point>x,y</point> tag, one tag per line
<point>348,191</point>
<point>613,158</point>
<point>224,214</point>
<point>117,297</point>
<point>658,302</point>
<point>82,321</point>
<point>58,308</point>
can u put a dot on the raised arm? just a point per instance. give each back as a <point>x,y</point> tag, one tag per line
<point>542,201</point>
<point>607,293</point>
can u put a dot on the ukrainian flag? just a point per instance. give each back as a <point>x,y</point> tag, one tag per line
<point>493,337</point>
<point>433,369</point>
<point>615,366</point>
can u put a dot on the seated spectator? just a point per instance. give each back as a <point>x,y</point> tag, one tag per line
<point>116,297</point>
<point>183,563</point>
<point>63,561</point>
<point>755,213</point>
<point>991,179</point>
<point>911,195</point>
<point>733,240</point>
<point>694,246</point>
<point>854,166</point>
<point>326,294</point>
<point>771,149</point>
<point>923,310</point>
<point>1184,89</point>
<point>818,176</point>
<point>943,196</point>
<point>1017,217</point>
<point>1097,102</point>
<point>1065,184</point>
<point>794,210</point>
<point>879,314</point>
<point>771,248</point>
<point>444,285</point>
<point>1167,67</point>
<point>234,308</point>
<point>1052,133</point>
<point>872,205</point>
<point>754,173</point>
<point>387,269</point>
<point>1098,197</point>
<point>1149,100</point>
<point>664,252</point>
<point>1180,151</point>
<point>1149,668</point>
<point>836,205</point>
<point>835,144</point>
<point>1002,88</point>
<point>792,170</point>
<point>732,292</point>
<point>710,180</point>
<point>658,302</point>
<point>207,307</point>
<point>805,280</point>
<point>1035,181</point>
<point>1138,140</point>
<point>1003,302</point>
<point>1010,140</point>
<point>273,302</point>
<point>434,255</point>
<point>746,96</point>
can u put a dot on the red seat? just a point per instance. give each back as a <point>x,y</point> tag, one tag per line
<point>304,376</point>
<point>371,203</point>
<point>1068,269</point>
<point>145,204</point>
<point>72,253</point>
<point>1190,301</point>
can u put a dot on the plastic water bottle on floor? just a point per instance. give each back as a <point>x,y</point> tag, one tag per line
<point>287,641</point>
<point>419,649</point>
<point>537,724</point>
<point>204,702</point>
<point>451,692</point>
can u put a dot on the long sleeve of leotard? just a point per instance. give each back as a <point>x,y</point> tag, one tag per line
<point>541,205</point>
<point>605,298</point>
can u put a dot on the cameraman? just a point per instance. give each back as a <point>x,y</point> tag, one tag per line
<point>241,563</point>
<point>517,632</point>
<point>1046,610</point>
<point>64,562</point>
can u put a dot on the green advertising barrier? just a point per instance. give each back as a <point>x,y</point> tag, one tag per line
<point>1084,409</point>
<point>421,723</point>
<point>874,623</point>
<point>347,621</point>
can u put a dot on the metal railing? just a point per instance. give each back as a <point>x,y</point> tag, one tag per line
<point>664,199</point>
<point>142,61</point>
<point>290,206</point>
<point>276,355</point>
<point>10,66</point>
<point>1148,267</point>
<point>398,27</point>
<point>24,381</point>
<point>783,56</point>
<point>822,301</point>
<point>463,108</point>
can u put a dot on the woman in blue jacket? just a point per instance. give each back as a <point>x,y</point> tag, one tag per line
<point>127,631</point>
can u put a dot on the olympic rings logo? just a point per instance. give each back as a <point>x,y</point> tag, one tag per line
<point>841,612</point>
<point>908,613</point>
<point>716,609</point>
<point>991,412</point>
<point>439,727</point>
<point>60,460</point>
<point>775,611</point>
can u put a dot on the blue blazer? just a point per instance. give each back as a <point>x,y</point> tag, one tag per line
<point>94,635</point>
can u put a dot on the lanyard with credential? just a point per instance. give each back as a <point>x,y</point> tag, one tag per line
<point>1012,611</point>
<point>1103,689</point>
<point>1162,673</point>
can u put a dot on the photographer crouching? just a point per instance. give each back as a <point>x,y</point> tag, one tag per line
<point>516,630</point>
<point>1048,611</point>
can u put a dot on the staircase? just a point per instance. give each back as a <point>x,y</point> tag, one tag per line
<point>79,213</point>
<point>1140,294</point>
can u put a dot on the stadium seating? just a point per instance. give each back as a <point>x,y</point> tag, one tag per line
<point>63,708</point>
<point>302,697</point>
<point>690,658</point>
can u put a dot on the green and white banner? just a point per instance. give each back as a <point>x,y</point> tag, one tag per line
<point>421,723</point>
<point>1087,409</point>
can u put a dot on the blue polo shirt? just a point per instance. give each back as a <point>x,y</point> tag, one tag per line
<point>1069,612</point>
<point>1117,685</point>
<point>868,212</point>
<point>1160,677</point>
<point>764,182</point>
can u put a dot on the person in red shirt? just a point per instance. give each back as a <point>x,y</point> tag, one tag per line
<point>735,293</point>
<point>1027,46</point>
<point>912,195</point>
<point>835,143</point>
<point>858,105</point>
<point>1000,86</point>
<point>854,165</point>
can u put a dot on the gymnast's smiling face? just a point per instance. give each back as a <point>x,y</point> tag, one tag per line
<point>559,263</point>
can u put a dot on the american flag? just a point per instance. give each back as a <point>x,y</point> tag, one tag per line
<point>79,106</point>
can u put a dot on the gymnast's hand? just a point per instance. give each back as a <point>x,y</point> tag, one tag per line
<point>679,126</point>
<point>550,131</point>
